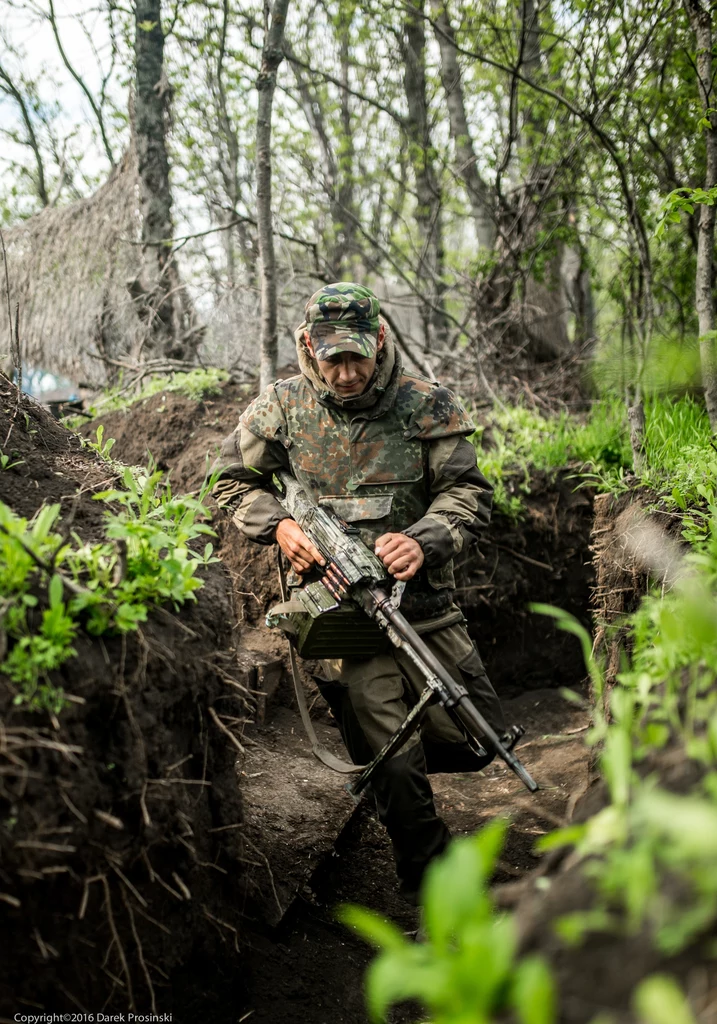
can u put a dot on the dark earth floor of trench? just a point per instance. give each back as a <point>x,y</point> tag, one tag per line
<point>310,969</point>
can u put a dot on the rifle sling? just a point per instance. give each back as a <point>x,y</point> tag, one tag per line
<point>319,751</point>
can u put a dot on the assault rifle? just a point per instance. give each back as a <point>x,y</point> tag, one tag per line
<point>355,585</point>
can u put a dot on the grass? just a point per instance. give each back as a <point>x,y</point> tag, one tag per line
<point>195,384</point>
<point>681,462</point>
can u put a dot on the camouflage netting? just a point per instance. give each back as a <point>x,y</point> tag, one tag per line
<point>69,269</point>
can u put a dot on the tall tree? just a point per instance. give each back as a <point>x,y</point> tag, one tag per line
<point>700,16</point>
<point>428,212</point>
<point>158,291</point>
<point>480,197</point>
<point>271,58</point>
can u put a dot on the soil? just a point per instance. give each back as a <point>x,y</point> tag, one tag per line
<point>310,968</point>
<point>120,862</point>
<point>544,557</point>
<point>268,847</point>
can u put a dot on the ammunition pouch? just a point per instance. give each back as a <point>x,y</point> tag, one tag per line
<point>320,627</point>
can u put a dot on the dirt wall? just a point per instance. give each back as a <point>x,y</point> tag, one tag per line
<point>121,858</point>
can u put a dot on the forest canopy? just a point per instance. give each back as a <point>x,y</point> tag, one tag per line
<point>517,180</point>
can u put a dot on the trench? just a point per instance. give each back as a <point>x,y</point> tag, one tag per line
<point>302,965</point>
<point>305,848</point>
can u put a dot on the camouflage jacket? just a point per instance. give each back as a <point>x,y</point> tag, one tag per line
<point>395,459</point>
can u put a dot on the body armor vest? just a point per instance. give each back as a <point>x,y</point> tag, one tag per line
<point>370,465</point>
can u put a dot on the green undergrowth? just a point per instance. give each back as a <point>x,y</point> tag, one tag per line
<point>649,857</point>
<point>54,585</point>
<point>195,384</point>
<point>680,459</point>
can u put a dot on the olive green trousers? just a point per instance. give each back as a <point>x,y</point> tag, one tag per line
<point>370,698</point>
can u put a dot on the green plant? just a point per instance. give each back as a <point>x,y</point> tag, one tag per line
<point>37,648</point>
<point>102,449</point>
<point>6,462</point>
<point>148,559</point>
<point>35,654</point>
<point>521,441</point>
<point>467,971</point>
<point>652,855</point>
<point>194,384</point>
<point>658,999</point>
<point>681,461</point>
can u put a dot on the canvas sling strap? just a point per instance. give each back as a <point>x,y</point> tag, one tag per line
<point>319,751</point>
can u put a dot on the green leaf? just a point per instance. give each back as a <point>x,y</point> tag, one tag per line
<point>455,884</point>
<point>534,994</point>
<point>567,836</point>
<point>616,763</point>
<point>407,973</point>
<point>372,927</point>
<point>660,1000</point>
<point>55,591</point>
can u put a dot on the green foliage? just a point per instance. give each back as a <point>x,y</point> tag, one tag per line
<point>670,366</point>
<point>651,854</point>
<point>466,971</point>
<point>683,200</point>
<point>659,1000</point>
<point>147,560</point>
<point>521,441</point>
<point>195,384</point>
<point>37,647</point>
<point>9,461</point>
<point>102,449</point>
<point>681,460</point>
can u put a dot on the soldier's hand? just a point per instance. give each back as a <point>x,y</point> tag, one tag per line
<point>297,547</point>
<point>402,555</point>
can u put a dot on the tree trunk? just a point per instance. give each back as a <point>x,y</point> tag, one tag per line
<point>544,304</point>
<point>337,169</point>
<point>345,244</point>
<point>161,299</point>
<point>429,270</point>
<point>271,58</point>
<point>479,194</point>
<point>701,22</point>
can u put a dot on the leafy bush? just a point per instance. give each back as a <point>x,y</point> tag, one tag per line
<point>467,970</point>
<point>108,587</point>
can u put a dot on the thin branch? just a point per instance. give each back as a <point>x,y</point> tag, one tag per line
<point>32,141</point>
<point>96,110</point>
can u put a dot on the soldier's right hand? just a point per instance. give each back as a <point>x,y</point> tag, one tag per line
<point>297,547</point>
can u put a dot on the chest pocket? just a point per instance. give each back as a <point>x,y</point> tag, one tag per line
<point>371,514</point>
<point>387,460</point>
<point>359,510</point>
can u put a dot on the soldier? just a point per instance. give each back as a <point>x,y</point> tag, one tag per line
<point>388,448</point>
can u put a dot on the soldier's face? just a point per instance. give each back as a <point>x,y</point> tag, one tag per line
<point>347,373</point>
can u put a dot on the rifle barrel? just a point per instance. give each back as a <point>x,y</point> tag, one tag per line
<point>463,706</point>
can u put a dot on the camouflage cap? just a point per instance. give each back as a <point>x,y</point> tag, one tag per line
<point>343,317</point>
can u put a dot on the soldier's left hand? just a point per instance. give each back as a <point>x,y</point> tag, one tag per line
<point>402,555</point>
